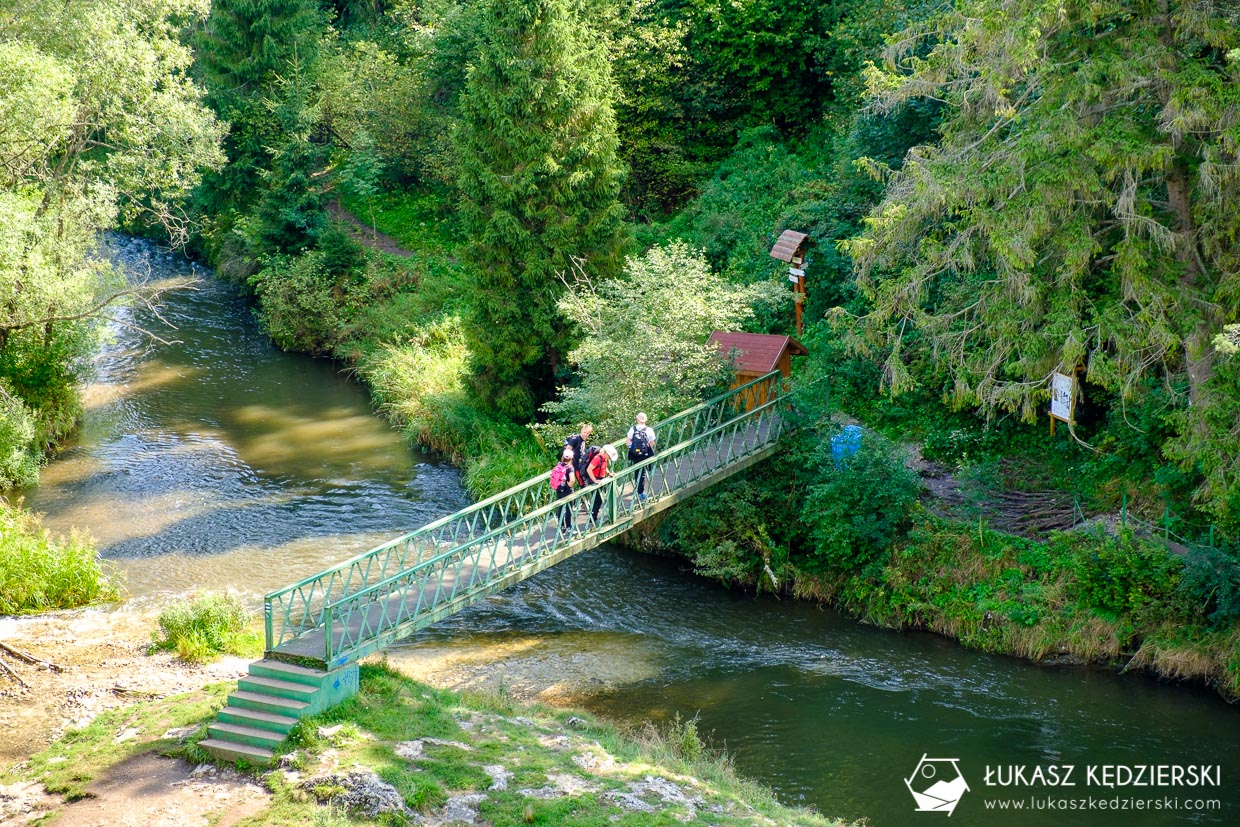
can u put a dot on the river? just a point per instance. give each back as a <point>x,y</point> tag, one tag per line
<point>219,462</point>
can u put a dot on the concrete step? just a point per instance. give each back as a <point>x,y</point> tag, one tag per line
<point>290,672</point>
<point>228,751</point>
<point>259,720</point>
<point>277,688</point>
<point>262,702</point>
<point>250,736</point>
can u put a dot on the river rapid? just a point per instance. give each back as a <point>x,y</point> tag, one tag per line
<point>218,462</point>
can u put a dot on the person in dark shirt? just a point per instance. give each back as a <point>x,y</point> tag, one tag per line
<point>577,442</point>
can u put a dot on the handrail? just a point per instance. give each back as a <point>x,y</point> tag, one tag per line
<point>304,602</point>
<point>610,489</point>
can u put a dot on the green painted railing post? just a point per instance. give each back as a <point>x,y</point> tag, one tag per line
<point>328,611</point>
<point>613,506</point>
<point>268,632</point>
<point>1123,510</point>
<point>1167,525</point>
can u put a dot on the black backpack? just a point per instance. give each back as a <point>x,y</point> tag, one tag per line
<point>590,454</point>
<point>639,444</point>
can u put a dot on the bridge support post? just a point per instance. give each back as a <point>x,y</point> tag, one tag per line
<point>613,506</point>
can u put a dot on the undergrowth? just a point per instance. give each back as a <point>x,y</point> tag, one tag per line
<point>206,626</point>
<point>39,572</point>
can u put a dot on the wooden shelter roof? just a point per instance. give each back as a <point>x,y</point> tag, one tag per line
<point>756,352</point>
<point>789,243</point>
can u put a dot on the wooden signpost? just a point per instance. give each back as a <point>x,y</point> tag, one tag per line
<point>791,247</point>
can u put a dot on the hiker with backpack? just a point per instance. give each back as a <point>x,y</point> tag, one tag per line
<point>597,470</point>
<point>562,484</point>
<point>577,442</point>
<point>640,442</point>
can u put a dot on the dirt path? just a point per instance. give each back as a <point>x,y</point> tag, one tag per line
<point>103,657</point>
<point>364,234</point>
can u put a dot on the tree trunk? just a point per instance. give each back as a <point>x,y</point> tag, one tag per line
<point>1198,353</point>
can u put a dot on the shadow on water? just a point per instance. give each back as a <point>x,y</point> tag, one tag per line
<point>218,444</point>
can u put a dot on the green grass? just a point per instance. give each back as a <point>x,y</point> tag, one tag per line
<point>206,626</point>
<point>534,745</point>
<point>391,708</point>
<point>422,222</point>
<point>40,573</point>
<point>83,754</point>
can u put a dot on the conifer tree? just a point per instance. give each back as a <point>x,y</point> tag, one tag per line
<point>539,177</point>
<point>1078,211</point>
<point>244,52</point>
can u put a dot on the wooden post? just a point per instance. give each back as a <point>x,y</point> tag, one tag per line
<point>798,298</point>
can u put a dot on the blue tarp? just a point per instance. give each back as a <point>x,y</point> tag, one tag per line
<point>845,444</point>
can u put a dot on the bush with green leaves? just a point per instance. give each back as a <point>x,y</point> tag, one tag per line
<point>19,455</point>
<point>861,506</point>
<point>1124,575</point>
<point>1211,583</point>
<point>740,532</point>
<point>206,626</point>
<point>301,301</point>
<point>41,573</point>
<point>644,345</point>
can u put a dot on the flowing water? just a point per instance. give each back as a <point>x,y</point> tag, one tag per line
<point>219,462</point>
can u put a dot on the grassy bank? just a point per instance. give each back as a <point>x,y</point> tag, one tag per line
<point>413,751</point>
<point>1091,596</point>
<point>1088,596</point>
<point>406,342</point>
<point>39,572</point>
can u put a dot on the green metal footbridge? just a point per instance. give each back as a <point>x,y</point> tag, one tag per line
<point>318,629</point>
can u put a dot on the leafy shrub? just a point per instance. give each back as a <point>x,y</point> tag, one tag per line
<point>734,532</point>
<point>1211,581</point>
<point>1124,575</point>
<point>301,301</point>
<point>204,627</point>
<point>19,455</point>
<point>39,573</point>
<point>860,508</point>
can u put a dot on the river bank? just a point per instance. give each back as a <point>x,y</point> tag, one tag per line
<point>1094,597</point>
<point>102,739</point>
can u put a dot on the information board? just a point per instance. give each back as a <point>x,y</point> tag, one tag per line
<point>1062,390</point>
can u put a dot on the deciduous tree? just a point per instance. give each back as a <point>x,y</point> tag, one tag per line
<point>98,121</point>
<point>644,346</point>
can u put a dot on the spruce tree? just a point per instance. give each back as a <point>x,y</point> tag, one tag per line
<point>1079,210</point>
<point>540,179</point>
<point>244,52</point>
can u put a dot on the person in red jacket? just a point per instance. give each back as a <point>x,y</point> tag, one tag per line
<point>598,470</point>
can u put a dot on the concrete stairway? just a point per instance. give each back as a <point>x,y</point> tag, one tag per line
<point>268,703</point>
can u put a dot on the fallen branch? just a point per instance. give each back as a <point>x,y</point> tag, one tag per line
<point>8,670</point>
<point>20,655</point>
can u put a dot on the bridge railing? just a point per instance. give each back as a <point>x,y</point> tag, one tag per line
<point>363,621</point>
<point>298,608</point>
